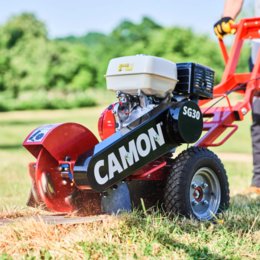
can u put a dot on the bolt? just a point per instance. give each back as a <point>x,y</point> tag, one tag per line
<point>205,202</point>
<point>114,187</point>
<point>244,110</point>
<point>204,185</point>
<point>194,203</point>
<point>194,185</point>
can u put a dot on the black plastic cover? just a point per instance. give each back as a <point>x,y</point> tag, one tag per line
<point>195,80</point>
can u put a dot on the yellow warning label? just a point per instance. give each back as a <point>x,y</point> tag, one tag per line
<point>125,67</point>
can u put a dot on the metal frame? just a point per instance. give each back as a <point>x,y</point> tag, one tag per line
<point>218,119</point>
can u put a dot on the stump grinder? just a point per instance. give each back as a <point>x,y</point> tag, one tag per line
<point>160,106</point>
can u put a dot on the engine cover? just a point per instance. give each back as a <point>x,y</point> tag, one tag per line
<point>126,151</point>
<point>152,75</point>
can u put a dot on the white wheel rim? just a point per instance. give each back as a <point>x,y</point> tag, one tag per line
<point>205,194</point>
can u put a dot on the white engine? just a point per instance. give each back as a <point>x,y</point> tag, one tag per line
<point>141,83</point>
<point>151,75</point>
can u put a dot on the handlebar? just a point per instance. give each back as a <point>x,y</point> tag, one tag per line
<point>234,26</point>
<point>248,28</point>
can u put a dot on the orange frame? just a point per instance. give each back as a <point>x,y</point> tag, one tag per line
<point>223,117</point>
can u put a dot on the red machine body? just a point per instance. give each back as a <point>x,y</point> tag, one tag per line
<point>56,146</point>
<point>107,123</point>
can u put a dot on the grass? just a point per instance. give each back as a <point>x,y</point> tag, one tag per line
<point>138,235</point>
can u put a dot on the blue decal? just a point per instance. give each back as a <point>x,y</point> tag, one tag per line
<point>39,134</point>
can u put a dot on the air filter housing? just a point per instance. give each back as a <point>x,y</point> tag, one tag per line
<point>195,80</point>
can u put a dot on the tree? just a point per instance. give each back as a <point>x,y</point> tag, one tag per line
<point>22,42</point>
<point>22,27</point>
<point>69,67</point>
<point>31,61</point>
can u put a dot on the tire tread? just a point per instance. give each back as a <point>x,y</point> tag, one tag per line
<point>174,199</point>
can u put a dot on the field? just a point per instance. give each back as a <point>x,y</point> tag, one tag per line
<point>140,235</point>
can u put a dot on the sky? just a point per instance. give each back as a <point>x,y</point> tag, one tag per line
<point>77,17</point>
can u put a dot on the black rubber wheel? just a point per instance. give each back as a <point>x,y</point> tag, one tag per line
<point>197,185</point>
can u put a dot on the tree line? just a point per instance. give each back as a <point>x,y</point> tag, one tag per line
<point>31,61</point>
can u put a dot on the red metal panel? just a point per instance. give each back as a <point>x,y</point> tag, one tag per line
<point>51,145</point>
<point>107,123</point>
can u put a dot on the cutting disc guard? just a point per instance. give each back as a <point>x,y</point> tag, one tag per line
<point>51,145</point>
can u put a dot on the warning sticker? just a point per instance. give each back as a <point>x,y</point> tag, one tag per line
<point>38,134</point>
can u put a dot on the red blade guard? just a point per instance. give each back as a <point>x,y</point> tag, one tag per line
<point>51,144</point>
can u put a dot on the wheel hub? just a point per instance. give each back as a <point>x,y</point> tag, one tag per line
<point>205,193</point>
<point>198,194</point>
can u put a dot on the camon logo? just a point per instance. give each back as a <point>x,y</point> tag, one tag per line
<point>129,154</point>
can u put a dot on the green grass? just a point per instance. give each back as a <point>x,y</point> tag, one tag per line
<point>132,236</point>
<point>156,235</point>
